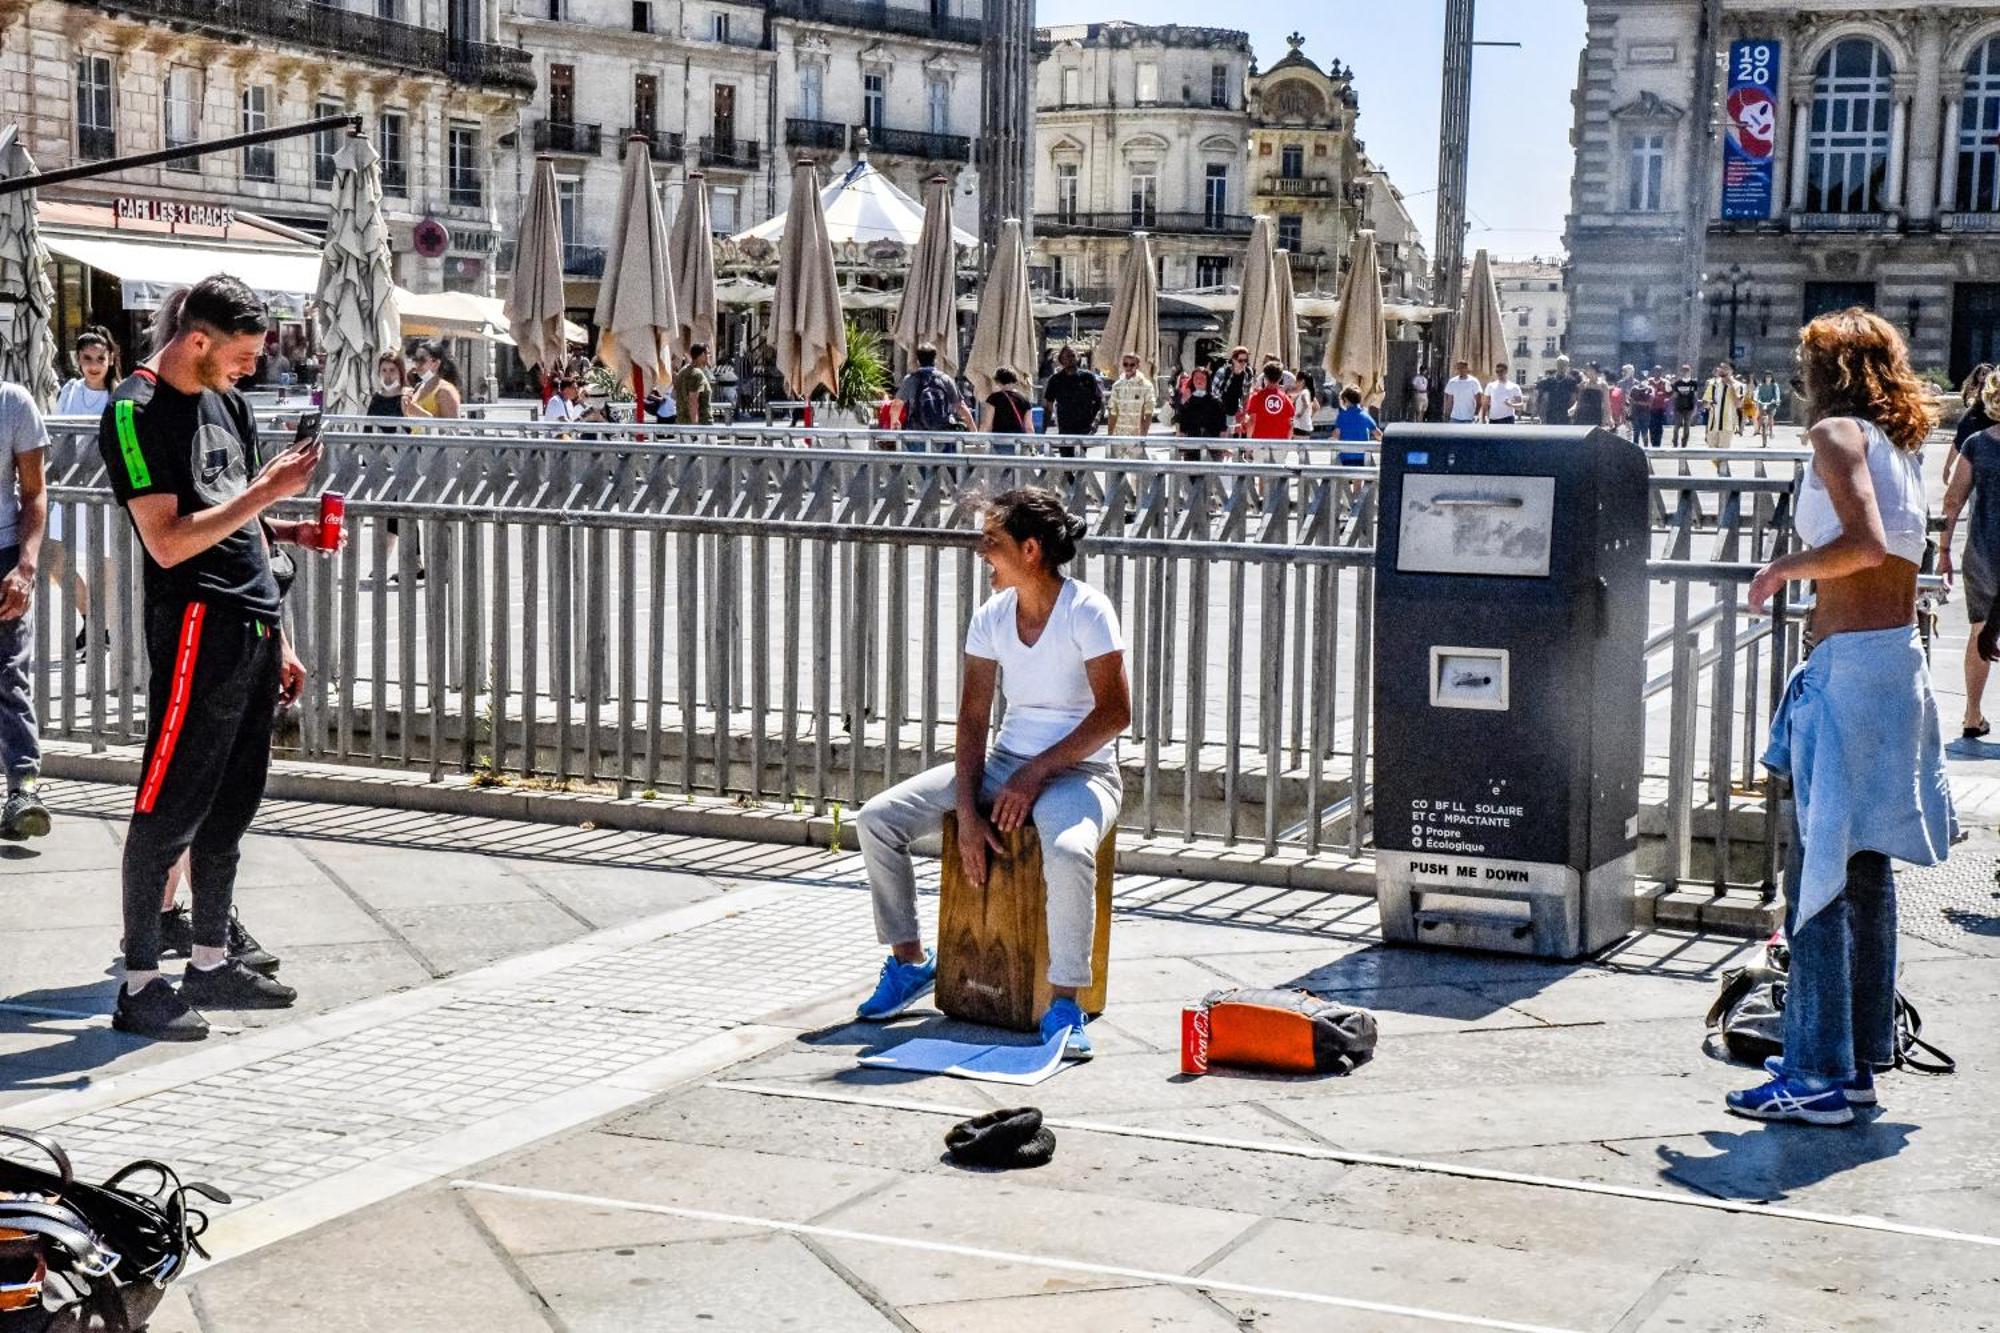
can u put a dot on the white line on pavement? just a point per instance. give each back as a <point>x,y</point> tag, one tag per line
<point>1748,1206</point>
<point>1012,1257</point>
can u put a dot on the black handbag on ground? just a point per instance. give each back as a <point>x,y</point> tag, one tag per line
<point>76,1257</point>
<point>1749,1017</point>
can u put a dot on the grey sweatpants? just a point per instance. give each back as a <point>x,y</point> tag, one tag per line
<point>1072,815</point>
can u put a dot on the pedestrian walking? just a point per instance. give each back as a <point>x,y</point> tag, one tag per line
<point>1857,732</point>
<point>1593,399</point>
<point>1305,407</point>
<point>694,389</point>
<point>86,394</point>
<point>1640,404</point>
<point>1686,389</point>
<point>566,403</point>
<point>1971,421</point>
<point>1072,401</point>
<point>24,514</point>
<point>1660,397</point>
<point>1462,394</point>
<point>181,449</point>
<point>1054,648</point>
<point>1005,411</point>
<point>1232,383</point>
<point>1722,401</point>
<point>1621,399</point>
<point>1420,396</point>
<point>1132,403</point>
<point>931,403</point>
<point>1201,417</point>
<point>1355,425</point>
<point>1555,393</point>
<point>1769,397</point>
<point>1502,399</point>
<point>438,393</point>
<point>1977,479</point>
<point>1268,413</point>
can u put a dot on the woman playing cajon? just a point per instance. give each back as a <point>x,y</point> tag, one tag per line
<point>1057,648</point>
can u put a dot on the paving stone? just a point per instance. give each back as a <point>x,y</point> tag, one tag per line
<point>1874,1266</point>
<point>1121,1310</point>
<point>285,915</point>
<point>463,936</point>
<point>1608,997</point>
<point>65,897</point>
<point>610,895</point>
<point>1697,1303</point>
<point>72,844</point>
<point>898,1140</point>
<point>752,1284</point>
<point>61,967</point>
<point>332,976</point>
<point>384,878</point>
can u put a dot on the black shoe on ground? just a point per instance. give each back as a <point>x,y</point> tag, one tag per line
<point>157,1011</point>
<point>234,986</point>
<point>244,949</point>
<point>177,933</point>
<point>24,815</point>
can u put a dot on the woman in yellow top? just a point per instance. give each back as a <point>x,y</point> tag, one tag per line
<point>437,392</point>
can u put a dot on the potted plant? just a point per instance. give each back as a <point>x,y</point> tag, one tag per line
<point>864,376</point>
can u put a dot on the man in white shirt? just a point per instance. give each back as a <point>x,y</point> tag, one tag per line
<point>1420,396</point>
<point>1503,398</point>
<point>1461,394</point>
<point>565,404</point>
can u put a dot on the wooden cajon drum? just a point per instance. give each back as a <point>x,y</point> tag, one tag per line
<point>993,942</point>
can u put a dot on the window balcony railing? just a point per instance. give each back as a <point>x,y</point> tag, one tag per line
<point>466,190</point>
<point>583,261</point>
<point>1969,221</point>
<point>1804,220</point>
<point>909,20</point>
<point>661,145</point>
<point>804,133</point>
<point>919,143</point>
<point>352,33</point>
<point>1299,187</point>
<point>740,154</point>
<point>96,143</point>
<point>557,136</point>
<point>1125,220</point>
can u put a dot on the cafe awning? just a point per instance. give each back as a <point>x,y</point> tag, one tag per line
<point>147,270</point>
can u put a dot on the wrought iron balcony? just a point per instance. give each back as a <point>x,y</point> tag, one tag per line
<point>919,143</point>
<point>556,136</point>
<point>1306,187</point>
<point>1969,221</point>
<point>351,33</point>
<point>583,261</point>
<point>1805,220</point>
<point>95,143</point>
<point>802,133</point>
<point>1129,220</point>
<point>910,20</point>
<point>740,154</point>
<point>661,145</point>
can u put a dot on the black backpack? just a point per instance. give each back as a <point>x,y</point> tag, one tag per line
<point>934,399</point>
<point>1749,1017</point>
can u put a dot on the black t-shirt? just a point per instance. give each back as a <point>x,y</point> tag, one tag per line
<point>1078,398</point>
<point>1590,404</point>
<point>1971,423</point>
<point>1684,395</point>
<point>202,450</point>
<point>1010,413</point>
<point>1228,386</point>
<point>1558,392</point>
<point>1203,416</point>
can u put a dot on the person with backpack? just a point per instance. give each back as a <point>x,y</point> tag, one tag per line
<point>1072,401</point>
<point>1639,404</point>
<point>931,402</point>
<point>1006,410</point>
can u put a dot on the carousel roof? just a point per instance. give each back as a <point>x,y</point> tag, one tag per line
<point>862,206</point>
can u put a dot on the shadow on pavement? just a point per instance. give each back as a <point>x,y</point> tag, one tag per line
<point>1768,1162</point>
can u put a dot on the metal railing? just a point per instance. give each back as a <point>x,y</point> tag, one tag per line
<point>773,615</point>
<point>579,261</point>
<point>1296,185</point>
<point>661,145</point>
<point>1061,223</point>
<point>914,20</point>
<point>561,136</point>
<point>741,154</point>
<point>919,143</point>
<point>801,132</point>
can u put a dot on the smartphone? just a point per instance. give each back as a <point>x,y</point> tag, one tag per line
<point>308,430</point>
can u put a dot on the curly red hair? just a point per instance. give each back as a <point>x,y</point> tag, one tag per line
<point>1855,364</point>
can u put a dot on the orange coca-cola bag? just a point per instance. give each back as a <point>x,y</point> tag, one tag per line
<point>1287,1032</point>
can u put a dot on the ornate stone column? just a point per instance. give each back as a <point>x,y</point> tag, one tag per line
<point>1947,175</point>
<point>1899,128</point>
<point>1801,104</point>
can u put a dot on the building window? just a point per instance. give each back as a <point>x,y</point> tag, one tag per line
<point>1645,171</point>
<point>812,90</point>
<point>392,141</point>
<point>260,160</point>
<point>1524,316</point>
<point>1215,194</point>
<point>642,15</point>
<point>1292,161</point>
<point>871,100</point>
<point>1978,145</point>
<point>723,116</point>
<point>1521,349</point>
<point>562,94</point>
<point>1066,192</point>
<point>723,208</point>
<point>566,197</point>
<point>325,144</point>
<point>391,10</point>
<point>1291,231</point>
<point>1847,146</point>
<point>1218,85</point>
<point>1059,276</point>
<point>1211,270</point>
<point>1823,298</point>
<point>1072,86</point>
<point>646,103</point>
<point>1549,345</point>
<point>182,123</point>
<point>466,183</point>
<point>937,99</point>
<point>1552,314</point>
<point>95,137</point>
<point>1146,82</point>
<point>1145,198</point>
<point>719,27</point>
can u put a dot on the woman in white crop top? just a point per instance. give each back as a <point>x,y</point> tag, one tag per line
<point>1857,732</point>
<point>1053,648</point>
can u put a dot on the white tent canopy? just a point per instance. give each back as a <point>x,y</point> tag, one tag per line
<point>461,314</point>
<point>861,207</point>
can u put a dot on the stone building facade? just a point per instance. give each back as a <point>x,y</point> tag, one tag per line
<point>1885,189</point>
<point>1399,246</point>
<point>1534,310</point>
<point>1306,167</point>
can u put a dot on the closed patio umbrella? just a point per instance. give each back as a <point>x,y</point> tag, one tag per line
<point>1005,332</point>
<point>355,309</point>
<point>1357,350</point>
<point>1288,312</point>
<point>1256,326</point>
<point>636,318</point>
<point>929,310</point>
<point>1132,323</point>
<point>27,345</point>
<point>1479,337</point>
<point>534,304</point>
<point>693,250</point>
<point>806,325</point>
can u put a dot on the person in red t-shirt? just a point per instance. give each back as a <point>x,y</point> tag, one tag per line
<point>1268,412</point>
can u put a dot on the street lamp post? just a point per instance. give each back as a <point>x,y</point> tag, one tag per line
<point>1734,302</point>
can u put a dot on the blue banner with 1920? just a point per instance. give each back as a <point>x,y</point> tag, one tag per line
<point>1750,148</point>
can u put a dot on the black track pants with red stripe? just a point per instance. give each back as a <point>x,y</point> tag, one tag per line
<point>211,702</point>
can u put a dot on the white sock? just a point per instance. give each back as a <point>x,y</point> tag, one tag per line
<point>207,958</point>
<point>138,981</point>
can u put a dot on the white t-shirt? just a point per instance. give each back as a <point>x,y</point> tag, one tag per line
<point>559,408</point>
<point>1461,397</point>
<point>77,399</point>
<point>1046,687</point>
<point>1503,399</point>
<point>1419,384</point>
<point>21,432</point>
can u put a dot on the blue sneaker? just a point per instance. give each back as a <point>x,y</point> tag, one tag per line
<point>1785,1098</point>
<point>901,985</point>
<point>1859,1090</point>
<point>1065,1015</point>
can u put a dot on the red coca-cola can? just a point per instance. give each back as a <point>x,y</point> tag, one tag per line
<point>332,509</point>
<point>1194,1039</point>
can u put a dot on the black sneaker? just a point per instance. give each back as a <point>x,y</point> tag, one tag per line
<point>244,949</point>
<point>24,815</point>
<point>157,1011</point>
<point>177,933</point>
<point>234,986</point>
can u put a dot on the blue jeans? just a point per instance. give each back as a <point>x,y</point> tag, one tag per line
<point>20,744</point>
<point>1840,997</point>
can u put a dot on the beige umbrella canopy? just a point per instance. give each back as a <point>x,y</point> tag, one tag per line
<point>1288,312</point>
<point>535,288</point>
<point>355,309</point>
<point>27,346</point>
<point>1132,324</point>
<point>1005,333</point>
<point>636,319</point>
<point>806,324</point>
<point>1257,318</point>
<point>1479,337</point>
<point>1357,350</point>
<point>929,311</point>
<point>693,253</point>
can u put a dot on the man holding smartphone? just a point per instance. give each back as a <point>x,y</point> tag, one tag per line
<point>179,444</point>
